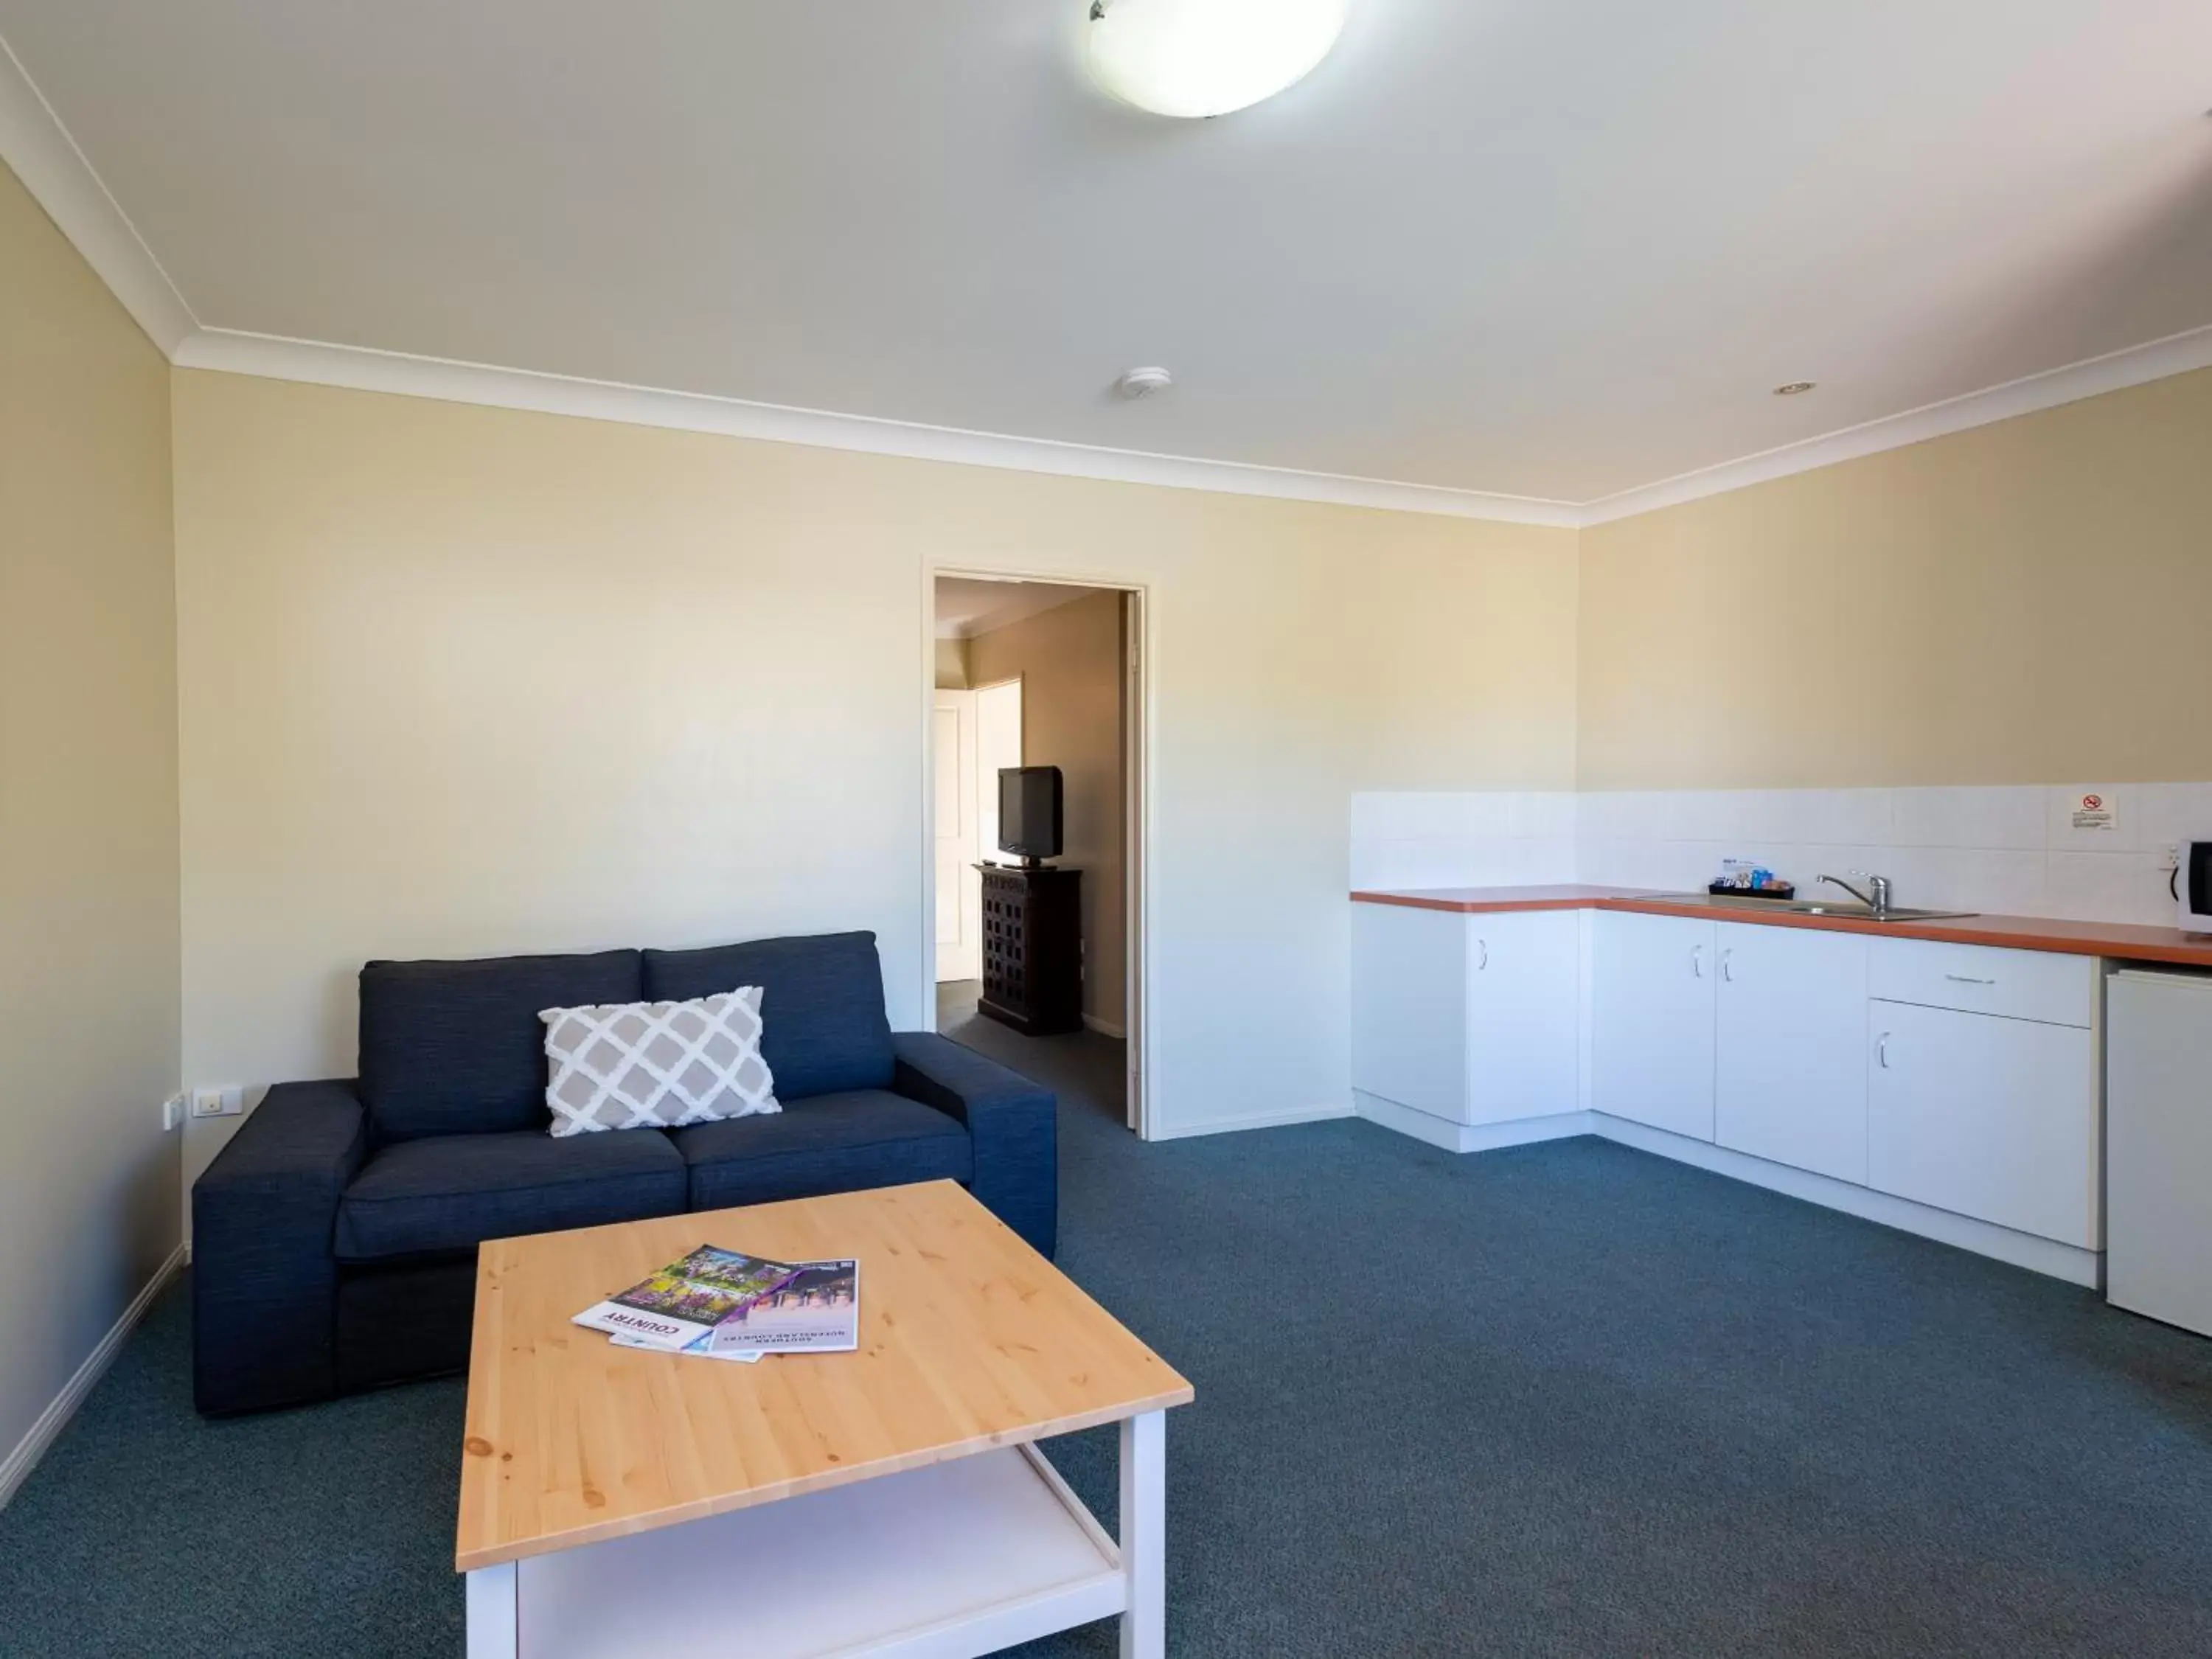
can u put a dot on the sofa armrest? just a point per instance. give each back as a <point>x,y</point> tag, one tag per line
<point>1013,1127</point>
<point>265,1280</point>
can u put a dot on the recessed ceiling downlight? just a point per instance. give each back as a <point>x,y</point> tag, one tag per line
<point>1199,58</point>
<point>1794,388</point>
<point>1143,382</point>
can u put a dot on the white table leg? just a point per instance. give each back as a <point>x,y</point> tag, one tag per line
<point>1144,1535</point>
<point>494,1629</point>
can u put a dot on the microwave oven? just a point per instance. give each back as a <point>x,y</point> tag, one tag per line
<point>2193,886</point>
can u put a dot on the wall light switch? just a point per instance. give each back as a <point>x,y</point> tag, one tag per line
<point>173,1112</point>
<point>218,1102</point>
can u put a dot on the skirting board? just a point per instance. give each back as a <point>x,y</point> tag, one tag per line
<point>1469,1137</point>
<point>2042,1255</point>
<point>1104,1028</point>
<point>18,1464</point>
<point>1262,1120</point>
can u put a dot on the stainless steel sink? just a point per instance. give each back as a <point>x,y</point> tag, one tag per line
<point>1844,908</point>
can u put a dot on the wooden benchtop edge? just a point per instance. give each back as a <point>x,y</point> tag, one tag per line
<point>2124,941</point>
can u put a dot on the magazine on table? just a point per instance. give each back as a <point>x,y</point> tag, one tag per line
<point>815,1310</point>
<point>686,1299</point>
<point>725,1304</point>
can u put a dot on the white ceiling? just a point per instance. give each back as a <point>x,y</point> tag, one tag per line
<point>1548,248</point>
<point>969,605</point>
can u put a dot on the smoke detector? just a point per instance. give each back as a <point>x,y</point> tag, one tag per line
<point>1142,383</point>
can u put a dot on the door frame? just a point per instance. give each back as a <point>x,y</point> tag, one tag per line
<point>1139,722</point>
<point>969,789</point>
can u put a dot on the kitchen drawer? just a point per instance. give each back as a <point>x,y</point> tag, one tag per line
<point>1980,979</point>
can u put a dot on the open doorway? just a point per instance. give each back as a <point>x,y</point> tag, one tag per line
<point>976,733</point>
<point>1036,708</point>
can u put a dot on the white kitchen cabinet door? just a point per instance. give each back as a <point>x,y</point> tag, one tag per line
<point>1985,1116</point>
<point>1409,1006</point>
<point>1523,972</point>
<point>1651,1052</point>
<point>1791,1073</point>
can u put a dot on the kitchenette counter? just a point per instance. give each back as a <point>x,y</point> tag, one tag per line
<point>2120,941</point>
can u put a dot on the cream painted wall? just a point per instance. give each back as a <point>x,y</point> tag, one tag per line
<point>460,680</point>
<point>2022,603</point>
<point>88,949</point>
<point>953,665</point>
<point>1069,662</point>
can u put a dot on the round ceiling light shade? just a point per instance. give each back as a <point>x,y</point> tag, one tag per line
<point>1198,57</point>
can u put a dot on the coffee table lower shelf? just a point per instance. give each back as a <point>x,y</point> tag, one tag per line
<point>950,1561</point>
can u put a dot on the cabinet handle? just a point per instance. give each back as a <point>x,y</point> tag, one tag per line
<point>1698,961</point>
<point>1482,946</point>
<point>1728,973</point>
<point>1881,1050</point>
<point>1967,979</point>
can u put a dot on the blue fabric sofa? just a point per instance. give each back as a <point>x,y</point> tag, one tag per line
<point>334,1238</point>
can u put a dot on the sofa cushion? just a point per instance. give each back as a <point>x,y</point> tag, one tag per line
<point>656,1065</point>
<point>822,1006</point>
<point>453,1192</point>
<point>457,1047</point>
<point>838,1143</point>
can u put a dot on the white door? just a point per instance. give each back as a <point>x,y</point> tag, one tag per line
<point>1985,1116</point>
<point>998,745</point>
<point>1651,1052</point>
<point>1522,971</point>
<point>959,886</point>
<point>1791,1079</point>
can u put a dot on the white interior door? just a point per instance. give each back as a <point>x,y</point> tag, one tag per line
<point>997,743</point>
<point>959,886</point>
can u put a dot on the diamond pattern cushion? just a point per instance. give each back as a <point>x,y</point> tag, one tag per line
<point>822,995</point>
<point>656,1065</point>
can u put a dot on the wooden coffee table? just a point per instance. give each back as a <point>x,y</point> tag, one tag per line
<point>887,1501</point>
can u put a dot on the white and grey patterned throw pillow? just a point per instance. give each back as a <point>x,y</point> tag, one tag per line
<point>656,1065</point>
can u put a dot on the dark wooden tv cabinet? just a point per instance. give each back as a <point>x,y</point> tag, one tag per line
<point>1032,948</point>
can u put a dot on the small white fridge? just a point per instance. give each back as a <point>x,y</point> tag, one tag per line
<point>2158,1144</point>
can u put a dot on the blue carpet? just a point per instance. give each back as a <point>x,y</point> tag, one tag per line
<point>1567,1399</point>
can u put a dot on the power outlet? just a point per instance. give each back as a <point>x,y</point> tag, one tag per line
<point>2169,856</point>
<point>218,1102</point>
<point>172,1113</point>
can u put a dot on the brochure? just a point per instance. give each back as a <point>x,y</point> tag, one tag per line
<point>698,1346</point>
<point>815,1310</point>
<point>686,1299</point>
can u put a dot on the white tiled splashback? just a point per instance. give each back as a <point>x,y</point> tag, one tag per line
<point>2011,849</point>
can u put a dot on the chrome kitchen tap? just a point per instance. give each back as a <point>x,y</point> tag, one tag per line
<point>1875,898</point>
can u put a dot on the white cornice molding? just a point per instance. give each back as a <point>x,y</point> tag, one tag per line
<point>363,370</point>
<point>39,149</point>
<point>35,143</point>
<point>367,370</point>
<point>2177,353</point>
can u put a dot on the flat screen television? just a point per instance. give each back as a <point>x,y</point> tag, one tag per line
<point>1029,812</point>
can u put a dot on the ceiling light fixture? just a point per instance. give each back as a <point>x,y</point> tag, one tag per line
<point>1794,388</point>
<point>1199,58</point>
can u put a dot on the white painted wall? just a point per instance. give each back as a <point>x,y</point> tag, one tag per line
<point>89,1019</point>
